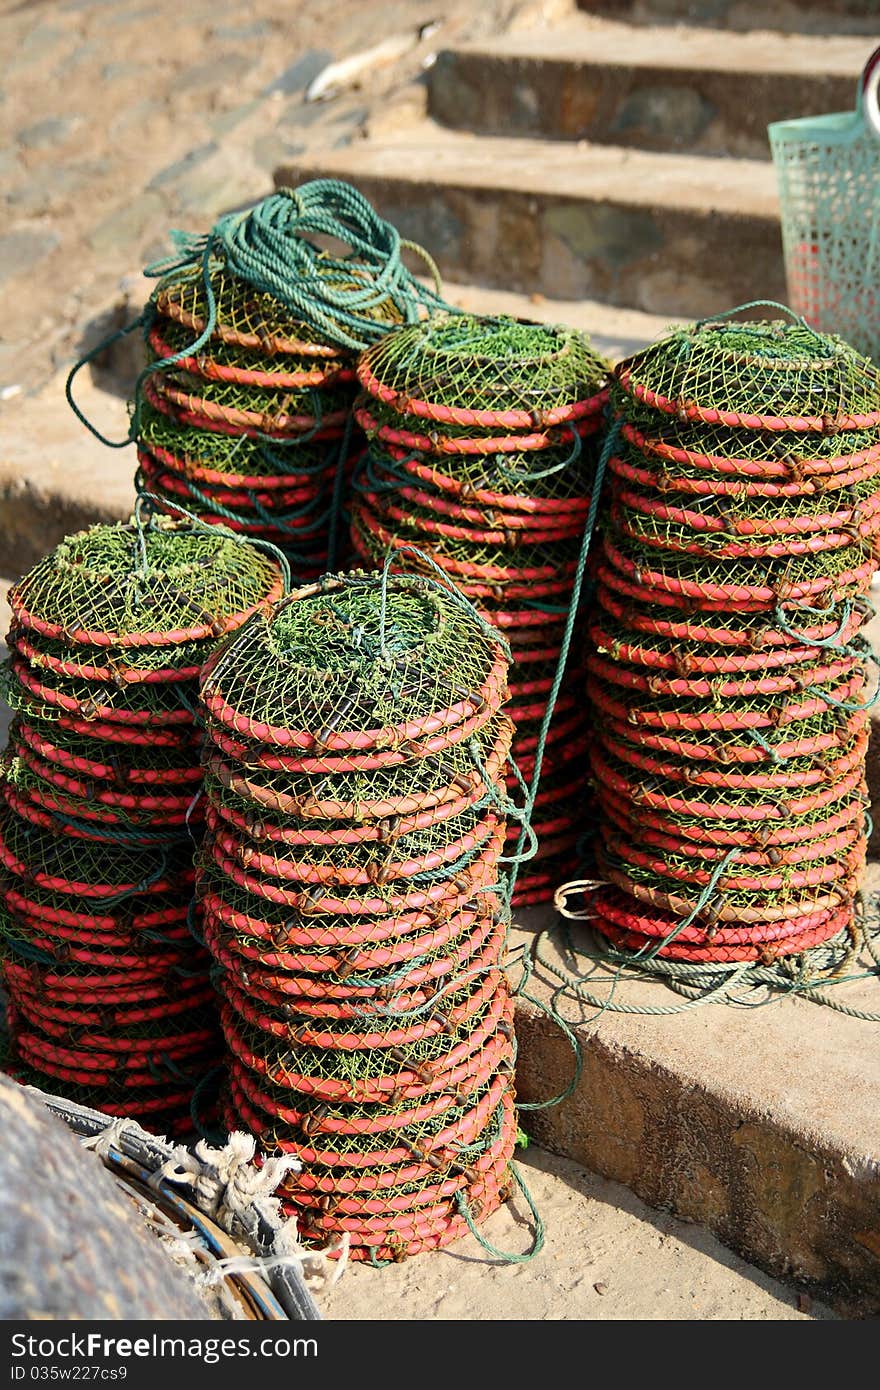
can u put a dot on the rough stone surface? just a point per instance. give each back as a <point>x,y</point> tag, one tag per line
<point>129,96</point>
<point>20,250</point>
<point>71,1243</point>
<point>795,16</point>
<point>44,134</point>
<point>54,477</point>
<point>761,1124</point>
<point>668,234</point>
<point>661,89</point>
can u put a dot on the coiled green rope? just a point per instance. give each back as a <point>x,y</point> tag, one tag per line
<point>351,299</point>
<point>341,296</point>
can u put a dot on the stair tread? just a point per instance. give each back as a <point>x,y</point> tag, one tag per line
<point>430,154</point>
<point>593,41</point>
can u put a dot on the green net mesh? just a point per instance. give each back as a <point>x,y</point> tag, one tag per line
<point>364,797</point>
<point>168,337</point>
<point>333,660</point>
<point>729,679</point>
<point>202,453</point>
<point>721,457</point>
<point>776,369</point>
<point>489,365</point>
<point>114,585</point>
<point>355,763</point>
<point>250,318</point>
<point>279,411</point>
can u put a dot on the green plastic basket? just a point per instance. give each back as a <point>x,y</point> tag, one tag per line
<point>828,169</point>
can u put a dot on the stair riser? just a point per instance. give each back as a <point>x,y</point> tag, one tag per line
<point>788,1201</point>
<point>653,108</point>
<point>813,16</point>
<point>658,260</point>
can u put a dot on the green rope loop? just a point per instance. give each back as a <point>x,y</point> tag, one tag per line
<point>608,448</point>
<point>509,1257</point>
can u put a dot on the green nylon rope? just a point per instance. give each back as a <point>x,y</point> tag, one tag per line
<point>608,448</point>
<point>344,298</point>
<point>509,1257</point>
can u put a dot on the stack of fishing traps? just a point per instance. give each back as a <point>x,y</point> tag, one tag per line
<point>481,454</point>
<point>252,428</point>
<point>728,675</point>
<point>349,887</point>
<point>109,996</point>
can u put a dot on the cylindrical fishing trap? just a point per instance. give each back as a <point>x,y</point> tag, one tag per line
<point>728,677</point>
<point>243,416</point>
<point>109,996</point>
<point>482,455</point>
<point>349,883</point>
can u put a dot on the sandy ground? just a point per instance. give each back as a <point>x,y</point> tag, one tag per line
<point>607,1257</point>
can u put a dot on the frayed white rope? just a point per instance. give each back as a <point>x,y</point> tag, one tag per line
<point>233,1190</point>
<point>111,1137</point>
<point>238,1193</point>
<point>226,1182</point>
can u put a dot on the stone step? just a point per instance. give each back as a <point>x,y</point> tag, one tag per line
<point>59,478</point>
<point>672,88</point>
<point>615,332</point>
<point>664,233</point>
<point>760,1123</point>
<point>792,16</point>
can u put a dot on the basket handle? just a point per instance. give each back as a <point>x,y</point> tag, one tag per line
<point>868,97</point>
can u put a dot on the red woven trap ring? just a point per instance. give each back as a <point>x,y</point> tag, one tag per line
<point>165,344</point>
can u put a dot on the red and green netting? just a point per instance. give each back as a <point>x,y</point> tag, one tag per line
<point>687,628</point>
<point>671,455</point>
<point>774,376</point>
<point>278,977</point>
<point>278,1000</point>
<point>127,589</point>
<point>418,857</point>
<point>257,365</point>
<point>110,634</point>
<point>450,518</point>
<point>672,758</point>
<point>355,665</point>
<point>728,676</point>
<point>377,803</point>
<point>484,374</point>
<point>371,799</point>
<point>456,1174</point>
<point>686,649</point>
<point>744,895</point>
<point>159,1111</point>
<point>549,486</point>
<point>737,585</point>
<point>73,757</point>
<point>623,700</point>
<point>456,442</point>
<point>227,407</point>
<point>347,954</point>
<point>704,958</point>
<point>240,463</point>
<point>677,521</point>
<point>351,886</point>
<point>813,676</point>
<point>449,1160</point>
<point>814,739</point>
